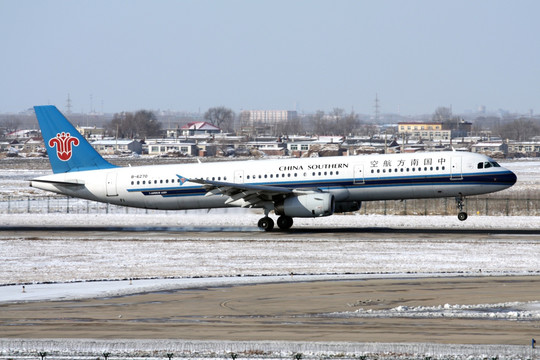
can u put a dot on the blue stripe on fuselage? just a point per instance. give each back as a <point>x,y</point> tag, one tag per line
<point>500,178</point>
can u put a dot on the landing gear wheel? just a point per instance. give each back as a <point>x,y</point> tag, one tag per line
<point>284,222</point>
<point>462,215</point>
<point>266,224</point>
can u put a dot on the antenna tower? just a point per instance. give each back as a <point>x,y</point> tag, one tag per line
<point>377,109</point>
<point>68,105</point>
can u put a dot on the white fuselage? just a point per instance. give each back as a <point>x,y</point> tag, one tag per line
<point>353,178</point>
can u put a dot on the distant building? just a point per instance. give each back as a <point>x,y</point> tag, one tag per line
<point>91,132</point>
<point>111,147</point>
<point>164,146</point>
<point>269,117</point>
<point>493,149</point>
<point>199,128</point>
<point>25,134</point>
<point>527,148</point>
<point>424,130</point>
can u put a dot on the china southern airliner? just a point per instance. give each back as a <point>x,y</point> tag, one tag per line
<point>309,187</point>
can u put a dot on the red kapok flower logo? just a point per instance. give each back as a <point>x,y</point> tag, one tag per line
<point>64,143</point>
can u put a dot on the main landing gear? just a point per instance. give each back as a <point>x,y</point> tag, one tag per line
<point>462,215</point>
<point>283,222</point>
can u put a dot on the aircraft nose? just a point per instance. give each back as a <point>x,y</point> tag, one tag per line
<point>512,178</point>
<point>508,178</point>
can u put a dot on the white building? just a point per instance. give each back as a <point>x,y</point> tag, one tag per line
<point>268,116</point>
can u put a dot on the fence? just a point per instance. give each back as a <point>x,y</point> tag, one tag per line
<point>493,206</point>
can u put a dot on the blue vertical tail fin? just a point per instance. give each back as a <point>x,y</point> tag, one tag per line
<point>68,150</point>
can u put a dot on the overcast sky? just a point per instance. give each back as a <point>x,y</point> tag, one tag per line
<point>305,55</point>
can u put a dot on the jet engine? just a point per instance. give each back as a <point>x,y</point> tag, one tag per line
<point>347,206</point>
<point>308,205</point>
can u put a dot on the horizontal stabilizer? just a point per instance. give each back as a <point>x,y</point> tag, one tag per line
<point>56,182</point>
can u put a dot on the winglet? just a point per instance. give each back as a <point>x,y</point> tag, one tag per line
<point>68,150</point>
<point>182,179</point>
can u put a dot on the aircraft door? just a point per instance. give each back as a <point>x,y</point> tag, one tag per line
<point>111,184</point>
<point>358,174</point>
<point>455,168</point>
<point>239,176</point>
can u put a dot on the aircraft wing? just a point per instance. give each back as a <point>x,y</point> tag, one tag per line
<point>247,195</point>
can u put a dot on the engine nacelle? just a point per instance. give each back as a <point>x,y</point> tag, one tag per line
<point>309,205</point>
<point>347,206</point>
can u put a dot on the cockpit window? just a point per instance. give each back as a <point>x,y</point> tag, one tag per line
<point>488,164</point>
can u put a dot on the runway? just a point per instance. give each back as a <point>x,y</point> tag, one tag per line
<point>297,232</point>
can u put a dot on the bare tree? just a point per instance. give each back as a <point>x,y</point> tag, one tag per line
<point>442,114</point>
<point>289,127</point>
<point>221,117</point>
<point>141,124</point>
<point>319,123</point>
<point>521,129</point>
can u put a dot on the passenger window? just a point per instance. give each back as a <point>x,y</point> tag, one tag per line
<point>337,172</point>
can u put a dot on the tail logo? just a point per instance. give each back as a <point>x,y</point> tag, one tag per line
<point>63,143</point>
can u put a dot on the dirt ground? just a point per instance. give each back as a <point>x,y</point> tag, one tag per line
<point>285,311</point>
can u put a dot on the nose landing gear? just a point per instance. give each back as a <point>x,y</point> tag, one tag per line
<point>462,215</point>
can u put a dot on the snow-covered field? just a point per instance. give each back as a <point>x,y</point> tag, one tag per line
<point>224,247</point>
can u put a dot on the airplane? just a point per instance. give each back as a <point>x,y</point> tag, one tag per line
<point>291,188</point>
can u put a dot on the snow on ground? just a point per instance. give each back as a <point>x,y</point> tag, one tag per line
<point>192,249</point>
<point>213,246</point>
<point>219,350</point>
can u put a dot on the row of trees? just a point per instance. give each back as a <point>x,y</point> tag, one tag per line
<point>143,123</point>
